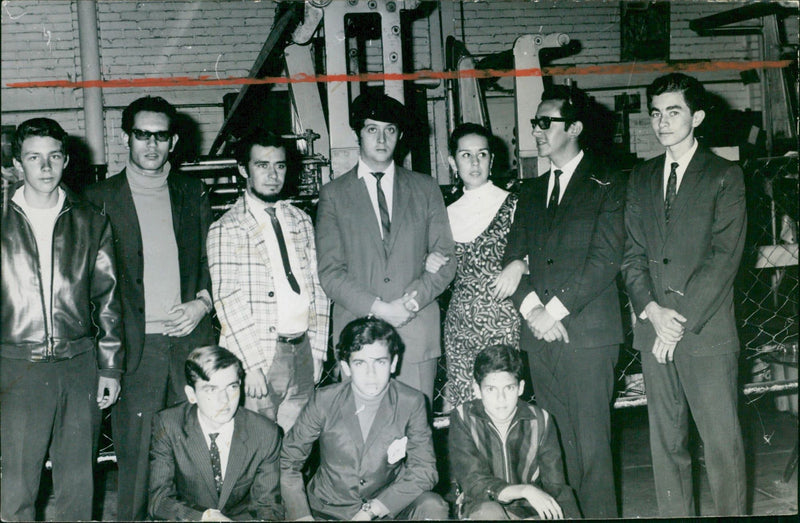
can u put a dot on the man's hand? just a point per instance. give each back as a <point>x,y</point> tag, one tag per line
<point>668,323</point>
<point>540,321</point>
<point>186,317</point>
<point>318,363</point>
<point>410,302</point>
<point>507,281</point>
<point>107,391</point>
<point>361,516</point>
<point>541,501</point>
<point>394,312</point>
<point>663,351</point>
<point>255,384</point>
<point>435,261</point>
<point>213,514</point>
<point>557,333</point>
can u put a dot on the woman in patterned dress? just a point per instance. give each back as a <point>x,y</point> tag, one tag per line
<point>480,313</point>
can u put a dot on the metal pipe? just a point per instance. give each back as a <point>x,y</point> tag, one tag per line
<point>90,70</point>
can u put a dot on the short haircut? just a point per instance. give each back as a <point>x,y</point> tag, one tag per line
<point>153,104</point>
<point>497,358</point>
<point>203,362</point>
<point>44,127</point>
<point>260,136</point>
<point>693,91</point>
<point>463,130</point>
<point>365,331</point>
<point>573,102</point>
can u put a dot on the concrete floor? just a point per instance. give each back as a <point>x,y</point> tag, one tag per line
<point>770,436</point>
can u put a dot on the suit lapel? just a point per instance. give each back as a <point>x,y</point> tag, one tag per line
<point>572,193</point>
<point>237,458</point>
<point>176,203</point>
<point>655,179</point>
<point>350,419</point>
<point>122,199</point>
<point>688,188</point>
<point>400,200</point>
<point>382,418</point>
<point>198,450</point>
<point>361,205</point>
<point>254,232</point>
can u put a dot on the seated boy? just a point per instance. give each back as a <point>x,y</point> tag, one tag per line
<point>376,452</point>
<point>504,453</point>
<point>209,459</point>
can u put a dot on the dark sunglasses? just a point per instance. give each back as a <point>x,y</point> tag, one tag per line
<point>544,121</point>
<point>144,136</point>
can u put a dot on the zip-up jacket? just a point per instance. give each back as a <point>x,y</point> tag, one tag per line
<point>85,309</point>
<point>483,465</point>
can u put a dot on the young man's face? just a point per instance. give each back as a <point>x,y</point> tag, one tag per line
<point>673,121</point>
<point>148,153</point>
<point>557,140</point>
<point>218,398</point>
<point>265,172</point>
<point>42,161</point>
<point>370,368</point>
<point>377,141</point>
<point>499,392</point>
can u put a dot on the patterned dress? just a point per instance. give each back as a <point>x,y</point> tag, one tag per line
<point>475,320</point>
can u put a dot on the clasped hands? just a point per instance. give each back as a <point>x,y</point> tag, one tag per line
<point>545,327</point>
<point>503,285</point>
<point>397,312</point>
<point>668,324</point>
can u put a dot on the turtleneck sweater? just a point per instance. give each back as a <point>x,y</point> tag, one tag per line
<point>162,279</point>
<point>366,408</point>
<point>471,214</point>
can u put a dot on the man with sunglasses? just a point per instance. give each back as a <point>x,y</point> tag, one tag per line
<point>160,221</point>
<point>569,224</point>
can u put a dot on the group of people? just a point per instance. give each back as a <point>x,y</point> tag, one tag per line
<point>102,305</point>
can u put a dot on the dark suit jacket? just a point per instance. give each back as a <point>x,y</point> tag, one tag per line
<point>181,480</point>
<point>354,268</point>
<point>578,256</point>
<point>689,264</point>
<point>191,217</point>
<point>351,469</point>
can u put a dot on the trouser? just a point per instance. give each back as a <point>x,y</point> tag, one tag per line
<point>419,375</point>
<point>290,384</point>
<point>48,406</point>
<point>706,386</point>
<point>427,506</point>
<point>156,383</point>
<point>576,386</point>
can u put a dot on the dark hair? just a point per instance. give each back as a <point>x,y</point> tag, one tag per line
<point>153,104</point>
<point>365,331</point>
<point>573,102</point>
<point>463,130</point>
<point>203,362</point>
<point>497,358</point>
<point>260,136</point>
<point>693,91</point>
<point>44,127</point>
<point>379,107</point>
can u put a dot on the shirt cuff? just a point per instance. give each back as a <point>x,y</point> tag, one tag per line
<point>557,309</point>
<point>529,303</point>
<point>379,508</point>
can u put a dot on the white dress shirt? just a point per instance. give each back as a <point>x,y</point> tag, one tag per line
<point>683,163</point>
<point>223,440</point>
<point>387,184</point>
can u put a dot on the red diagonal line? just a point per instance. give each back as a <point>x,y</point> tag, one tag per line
<point>630,68</point>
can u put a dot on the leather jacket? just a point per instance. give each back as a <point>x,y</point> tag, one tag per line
<point>85,310</point>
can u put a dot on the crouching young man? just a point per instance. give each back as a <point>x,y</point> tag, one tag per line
<point>504,452</point>
<point>376,451</point>
<point>209,459</point>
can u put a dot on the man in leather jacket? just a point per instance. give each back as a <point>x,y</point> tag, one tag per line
<point>61,351</point>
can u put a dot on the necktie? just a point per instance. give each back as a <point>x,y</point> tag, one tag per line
<point>552,203</point>
<point>216,464</point>
<point>276,225</point>
<point>383,208</point>
<point>672,189</point>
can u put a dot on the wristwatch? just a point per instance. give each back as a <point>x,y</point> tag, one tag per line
<point>367,507</point>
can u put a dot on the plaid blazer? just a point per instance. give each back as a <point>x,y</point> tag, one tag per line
<point>244,291</point>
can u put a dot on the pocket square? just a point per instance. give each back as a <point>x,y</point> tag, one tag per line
<point>397,450</point>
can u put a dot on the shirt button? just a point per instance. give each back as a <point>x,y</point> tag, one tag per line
<point>549,261</point>
<point>272,329</point>
<point>362,482</point>
<point>666,261</point>
<point>387,280</point>
<point>271,294</point>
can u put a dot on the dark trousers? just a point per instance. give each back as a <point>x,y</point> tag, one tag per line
<point>156,383</point>
<point>48,406</point>
<point>290,384</point>
<point>705,386</point>
<point>576,386</point>
<point>428,506</point>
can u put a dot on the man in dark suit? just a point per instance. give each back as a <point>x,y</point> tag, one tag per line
<point>685,219</point>
<point>209,459</point>
<point>160,221</point>
<point>375,225</point>
<point>569,225</point>
<point>376,450</point>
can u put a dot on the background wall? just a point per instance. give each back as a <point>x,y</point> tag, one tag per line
<point>223,38</point>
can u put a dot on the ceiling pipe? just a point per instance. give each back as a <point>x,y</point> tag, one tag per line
<point>90,71</point>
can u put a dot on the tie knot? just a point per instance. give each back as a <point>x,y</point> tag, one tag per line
<point>213,436</point>
<point>557,172</point>
<point>270,211</point>
<point>673,167</point>
<point>378,175</point>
